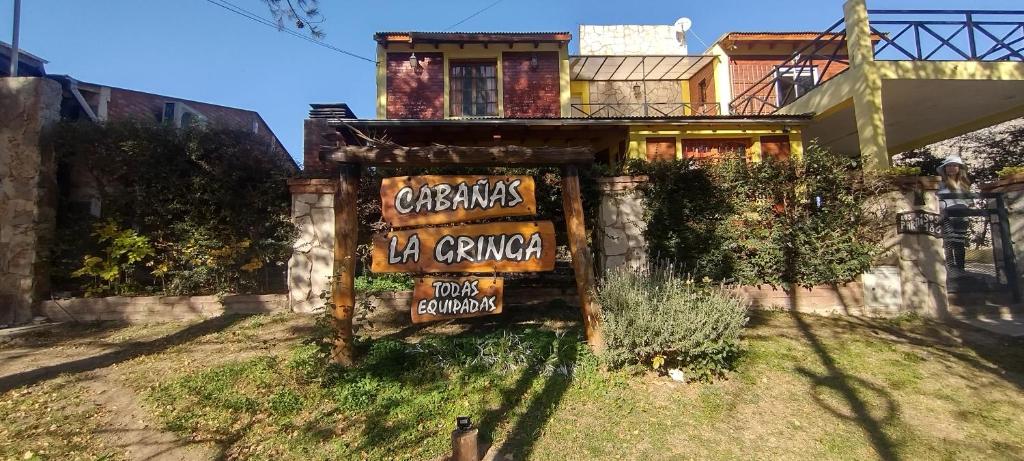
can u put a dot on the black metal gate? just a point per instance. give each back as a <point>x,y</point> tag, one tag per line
<point>979,255</point>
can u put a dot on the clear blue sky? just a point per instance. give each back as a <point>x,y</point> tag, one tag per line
<point>192,49</point>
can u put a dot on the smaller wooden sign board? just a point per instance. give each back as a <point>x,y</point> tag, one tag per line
<point>453,298</point>
<point>479,248</point>
<point>433,199</point>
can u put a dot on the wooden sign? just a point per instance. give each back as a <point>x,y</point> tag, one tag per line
<point>421,200</point>
<point>481,248</point>
<point>452,298</point>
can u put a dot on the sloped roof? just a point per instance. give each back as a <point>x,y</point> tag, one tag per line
<point>471,37</point>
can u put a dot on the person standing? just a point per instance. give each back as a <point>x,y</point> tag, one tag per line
<point>954,228</point>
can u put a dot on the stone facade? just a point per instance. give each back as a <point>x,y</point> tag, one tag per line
<point>632,40</point>
<point>312,262</point>
<point>664,97</point>
<point>620,239</point>
<point>28,105</point>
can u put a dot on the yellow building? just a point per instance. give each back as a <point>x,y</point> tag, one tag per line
<point>875,83</point>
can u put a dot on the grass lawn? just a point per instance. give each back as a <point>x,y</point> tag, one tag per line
<point>806,387</point>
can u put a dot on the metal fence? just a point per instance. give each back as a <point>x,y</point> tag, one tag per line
<point>650,109</point>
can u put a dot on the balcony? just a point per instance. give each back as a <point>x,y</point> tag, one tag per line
<point>896,35</point>
<point>649,109</point>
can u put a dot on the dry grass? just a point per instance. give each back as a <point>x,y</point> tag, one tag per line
<point>807,388</point>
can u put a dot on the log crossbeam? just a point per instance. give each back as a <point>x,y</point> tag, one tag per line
<point>459,155</point>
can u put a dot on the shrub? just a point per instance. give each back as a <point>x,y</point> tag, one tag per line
<point>779,222</point>
<point>1009,171</point>
<point>652,315</point>
<point>903,171</point>
<point>211,204</point>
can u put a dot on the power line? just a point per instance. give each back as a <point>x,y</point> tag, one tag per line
<point>467,18</point>
<point>694,33</point>
<point>259,19</point>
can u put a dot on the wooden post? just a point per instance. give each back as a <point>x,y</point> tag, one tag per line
<point>582,260</point>
<point>343,294</point>
<point>464,445</point>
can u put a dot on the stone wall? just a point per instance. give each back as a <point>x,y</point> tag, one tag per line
<point>1012,189</point>
<point>155,309</point>
<point>632,40</point>
<point>664,97</point>
<point>620,236</point>
<point>312,262</point>
<point>28,106</point>
<point>910,277</point>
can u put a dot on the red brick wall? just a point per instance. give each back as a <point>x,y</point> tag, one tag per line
<point>149,107</point>
<point>747,71</point>
<point>531,92</point>
<point>707,74</point>
<point>415,93</point>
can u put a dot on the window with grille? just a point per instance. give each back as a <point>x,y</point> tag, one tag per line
<point>473,89</point>
<point>793,82</point>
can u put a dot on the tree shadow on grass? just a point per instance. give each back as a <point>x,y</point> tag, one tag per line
<point>1003,355</point>
<point>123,353</point>
<point>849,388</point>
<point>522,438</point>
<point>393,420</point>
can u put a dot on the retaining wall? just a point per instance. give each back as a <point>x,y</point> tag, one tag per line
<point>152,309</point>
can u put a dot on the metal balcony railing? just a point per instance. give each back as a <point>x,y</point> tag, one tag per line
<point>821,58</point>
<point>948,35</point>
<point>904,35</point>
<point>649,109</point>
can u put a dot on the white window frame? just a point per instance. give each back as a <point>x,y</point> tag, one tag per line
<point>794,72</point>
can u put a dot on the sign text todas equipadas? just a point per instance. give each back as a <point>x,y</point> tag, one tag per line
<point>480,248</point>
<point>450,298</point>
<point>421,200</point>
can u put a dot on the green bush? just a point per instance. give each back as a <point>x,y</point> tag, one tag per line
<point>903,171</point>
<point>209,204</point>
<point>778,222</point>
<point>652,315</point>
<point>1009,171</point>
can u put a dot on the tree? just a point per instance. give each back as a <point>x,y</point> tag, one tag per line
<point>304,13</point>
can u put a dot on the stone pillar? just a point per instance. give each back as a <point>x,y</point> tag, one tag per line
<point>312,262</point>
<point>1012,188</point>
<point>28,107</point>
<point>919,258</point>
<point>621,223</point>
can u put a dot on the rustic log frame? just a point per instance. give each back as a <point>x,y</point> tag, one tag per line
<point>330,147</point>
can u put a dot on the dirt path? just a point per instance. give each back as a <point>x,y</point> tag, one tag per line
<point>111,364</point>
<point>132,430</point>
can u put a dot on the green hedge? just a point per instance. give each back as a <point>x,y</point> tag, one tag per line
<point>197,210</point>
<point>776,222</point>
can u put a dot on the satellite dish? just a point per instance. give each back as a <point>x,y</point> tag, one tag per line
<point>683,24</point>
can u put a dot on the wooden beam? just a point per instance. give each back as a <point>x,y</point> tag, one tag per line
<point>582,260</point>
<point>343,293</point>
<point>461,155</point>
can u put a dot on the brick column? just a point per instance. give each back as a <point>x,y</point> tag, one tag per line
<point>312,261</point>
